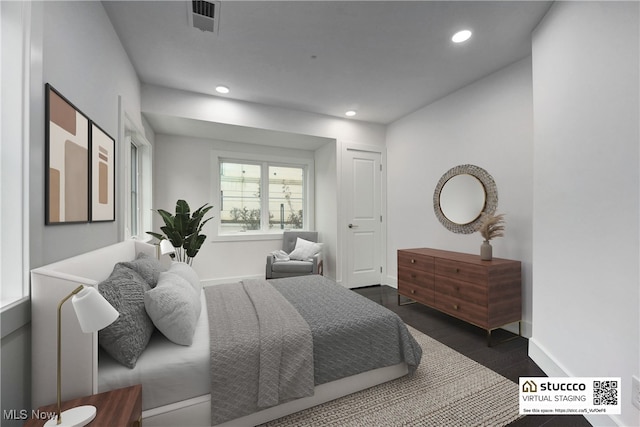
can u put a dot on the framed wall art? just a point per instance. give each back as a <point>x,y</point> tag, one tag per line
<point>103,206</point>
<point>66,161</point>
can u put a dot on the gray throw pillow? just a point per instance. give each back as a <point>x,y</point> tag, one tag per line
<point>146,266</point>
<point>172,306</point>
<point>128,336</point>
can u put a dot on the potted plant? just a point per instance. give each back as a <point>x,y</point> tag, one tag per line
<point>183,230</point>
<point>492,226</point>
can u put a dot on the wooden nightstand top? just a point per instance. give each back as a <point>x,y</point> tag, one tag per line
<point>116,408</point>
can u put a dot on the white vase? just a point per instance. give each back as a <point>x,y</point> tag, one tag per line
<point>486,251</point>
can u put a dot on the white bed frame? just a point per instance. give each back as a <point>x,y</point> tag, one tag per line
<point>51,283</point>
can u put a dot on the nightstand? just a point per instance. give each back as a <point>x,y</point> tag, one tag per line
<point>116,408</point>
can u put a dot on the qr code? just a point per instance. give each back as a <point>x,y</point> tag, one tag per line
<point>605,392</point>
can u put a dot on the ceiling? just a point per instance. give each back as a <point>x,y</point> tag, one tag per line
<point>384,59</point>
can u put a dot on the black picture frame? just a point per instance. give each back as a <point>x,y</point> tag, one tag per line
<point>67,147</point>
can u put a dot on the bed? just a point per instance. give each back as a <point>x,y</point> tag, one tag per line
<point>178,380</point>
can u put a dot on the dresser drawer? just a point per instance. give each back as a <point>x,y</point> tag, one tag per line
<point>464,310</point>
<point>417,278</point>
<point>461,270</point>
<point>416,293</point>
<point>415,261</point>
<point>464,291</point>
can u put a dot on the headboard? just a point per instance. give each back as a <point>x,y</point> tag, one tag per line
<point>49,285</point>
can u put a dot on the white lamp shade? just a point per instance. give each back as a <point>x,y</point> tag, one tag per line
<point>93,310</point>
<point>166,247</point>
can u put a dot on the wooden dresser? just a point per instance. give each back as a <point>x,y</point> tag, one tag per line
<point>484,293</point>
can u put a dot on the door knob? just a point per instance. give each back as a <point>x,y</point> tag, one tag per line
<point>353,226</point>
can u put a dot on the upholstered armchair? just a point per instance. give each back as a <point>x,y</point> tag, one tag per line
<point>280,265</point>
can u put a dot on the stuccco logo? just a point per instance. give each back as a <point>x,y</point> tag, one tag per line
<point>531,387</point>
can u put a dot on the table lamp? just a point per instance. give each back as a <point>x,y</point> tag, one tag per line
<point>94,313</point>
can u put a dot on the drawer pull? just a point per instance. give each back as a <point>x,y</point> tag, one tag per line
<point>413,276</point>
<point>457,270</point>
<point>413,291</point>
<point>455,306</point>
<point>413,261</point>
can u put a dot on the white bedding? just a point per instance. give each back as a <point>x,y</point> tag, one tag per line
<point>167,371</point>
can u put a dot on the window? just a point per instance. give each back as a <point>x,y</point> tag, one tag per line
<point>263,196</point>
<point>286,197</point>
<point>240,197</point>
<point>14,151</point>
<point>134,210</point>
<point>138,183</point>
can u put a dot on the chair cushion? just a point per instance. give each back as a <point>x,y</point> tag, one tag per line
<point>305,250</point>
<point>292,267</point>
<point>289,238</point>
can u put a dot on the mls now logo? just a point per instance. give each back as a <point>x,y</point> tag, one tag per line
<point>529,387</point>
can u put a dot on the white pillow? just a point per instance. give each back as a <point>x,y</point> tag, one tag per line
<point>185,271</point>
<point>173,306</point>
<point>305,249</point>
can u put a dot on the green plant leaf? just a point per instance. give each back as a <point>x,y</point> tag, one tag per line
<point>195,243</point>
<point>183,214</point>
<point>167,217</point>
<point>156,235</point>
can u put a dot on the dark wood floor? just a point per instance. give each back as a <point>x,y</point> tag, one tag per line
<point>510,359</point>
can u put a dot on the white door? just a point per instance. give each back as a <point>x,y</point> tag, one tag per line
<point>364,221</point>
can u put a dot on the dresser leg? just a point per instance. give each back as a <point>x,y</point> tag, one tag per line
<point>490,344</point>
<point>405,303</point>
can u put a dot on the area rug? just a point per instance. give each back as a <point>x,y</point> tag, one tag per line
<point>448,389</point>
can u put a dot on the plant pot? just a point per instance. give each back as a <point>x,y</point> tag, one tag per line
<point>486,251</point>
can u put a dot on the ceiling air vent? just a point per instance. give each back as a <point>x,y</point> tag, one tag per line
<point>204,15</point>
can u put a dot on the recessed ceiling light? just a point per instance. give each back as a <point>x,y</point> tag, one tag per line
<point>350,113</point>
<point>461,36</point>
<point>222,89</point>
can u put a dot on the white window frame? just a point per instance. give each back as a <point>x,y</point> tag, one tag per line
<point>133,136</point>
<point>307,164</point>
<point>15,76</point>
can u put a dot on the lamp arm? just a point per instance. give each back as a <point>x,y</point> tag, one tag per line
<point>65,299</point>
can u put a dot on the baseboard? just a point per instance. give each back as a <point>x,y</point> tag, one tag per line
<point>553,368</point>
<point>391,281</point>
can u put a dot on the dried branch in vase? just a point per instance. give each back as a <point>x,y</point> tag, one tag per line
<point>492,226</point>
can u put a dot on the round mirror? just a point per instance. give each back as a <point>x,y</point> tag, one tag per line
<point>462,195</point>
<point>462,199</point>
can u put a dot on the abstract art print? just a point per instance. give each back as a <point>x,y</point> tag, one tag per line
<point>103,207</point>
<point>67,161</point>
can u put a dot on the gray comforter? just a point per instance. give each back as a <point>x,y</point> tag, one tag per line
<point>261,350</point>
<point>350,334</point>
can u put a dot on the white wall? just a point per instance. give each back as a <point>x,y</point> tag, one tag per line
<point>489,124</point>
<point>586,195</point>
<point>327,218</point>
<point>83,59</point>
<point>73,46</point>
<point>234,260</point>
<point>185,170</point>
